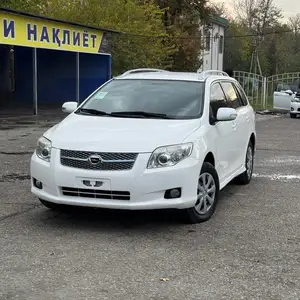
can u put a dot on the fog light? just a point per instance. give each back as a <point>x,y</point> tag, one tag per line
<point>173,193</point>
<point>38,184</point>
<point>292,108</point>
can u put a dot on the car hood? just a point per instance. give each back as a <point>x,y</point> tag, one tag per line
<point>109,134</point>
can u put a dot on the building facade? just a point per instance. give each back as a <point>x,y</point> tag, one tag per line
<point>212,55</point>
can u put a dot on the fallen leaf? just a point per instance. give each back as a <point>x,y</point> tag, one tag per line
<point>164,279</point>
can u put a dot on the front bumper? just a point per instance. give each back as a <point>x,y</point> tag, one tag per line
<point>146,187</point>
<point>295,108</point>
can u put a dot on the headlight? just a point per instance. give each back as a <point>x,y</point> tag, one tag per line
<point>295,100</point>
<point>169,156</point>
<point>43,150</point>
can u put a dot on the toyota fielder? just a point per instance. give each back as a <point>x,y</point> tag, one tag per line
<point>149,139</point>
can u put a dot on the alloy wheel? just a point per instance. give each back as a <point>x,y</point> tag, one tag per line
<point>206,193</point>
<point>249,161</point>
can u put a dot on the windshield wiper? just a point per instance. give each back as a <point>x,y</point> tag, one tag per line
<point>127,114</point>
<point>94,112</point>
<point>140,114</point>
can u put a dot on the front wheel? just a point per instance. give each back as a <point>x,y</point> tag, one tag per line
<point>246,177</point>
<point>207,196</point>
<point>293,116</point>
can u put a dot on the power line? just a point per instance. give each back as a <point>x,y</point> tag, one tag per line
<point>205,37</point>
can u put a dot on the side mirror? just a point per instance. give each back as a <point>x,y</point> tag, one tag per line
<point>226,114</point>
<point>69,107</point>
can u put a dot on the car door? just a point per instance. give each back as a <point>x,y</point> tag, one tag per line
<point>221,134</point>
<point>282,101</point>
<point>246,111</point>
<point>239,125</point>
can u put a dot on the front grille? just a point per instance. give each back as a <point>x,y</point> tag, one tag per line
<point>107,162</point>
<point>98,194</point>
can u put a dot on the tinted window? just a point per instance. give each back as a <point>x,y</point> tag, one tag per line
<point>283,87</point>
<point>217,99</point>
<point>242,94</point>
<point>231,95</point>
<point>177,99</point>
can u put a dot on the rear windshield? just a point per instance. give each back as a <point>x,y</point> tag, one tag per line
<point>176,99</point>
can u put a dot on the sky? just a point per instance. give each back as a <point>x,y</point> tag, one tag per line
<point>289,7</point>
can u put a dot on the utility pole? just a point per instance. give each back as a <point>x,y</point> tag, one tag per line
<point>255,62</point>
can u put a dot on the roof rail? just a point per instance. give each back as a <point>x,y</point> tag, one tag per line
<point>144,70</point>
<point>207,73</point>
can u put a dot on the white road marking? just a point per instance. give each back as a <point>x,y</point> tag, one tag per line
<point>286,160</point>
<point>279,177</point>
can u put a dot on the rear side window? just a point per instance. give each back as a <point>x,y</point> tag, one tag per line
<point>217,99</point>
<point>242,95</point>
<point>232,96</point>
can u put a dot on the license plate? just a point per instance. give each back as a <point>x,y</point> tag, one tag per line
<point>93,183</point>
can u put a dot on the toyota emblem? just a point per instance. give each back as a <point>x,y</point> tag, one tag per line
<point>94,159</point>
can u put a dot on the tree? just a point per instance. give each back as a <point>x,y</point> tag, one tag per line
<point>237,49</point>
<point>24,5</point>
<point>257,17</point>
<point>219,9</point>
<point>182,20</point>
<point>294,23</point>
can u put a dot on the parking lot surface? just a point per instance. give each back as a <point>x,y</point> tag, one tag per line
<point>250,249</point>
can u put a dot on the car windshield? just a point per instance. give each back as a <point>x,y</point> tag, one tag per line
<point>148,99</point>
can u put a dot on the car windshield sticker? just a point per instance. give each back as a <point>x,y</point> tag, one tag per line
<point>100,95</point>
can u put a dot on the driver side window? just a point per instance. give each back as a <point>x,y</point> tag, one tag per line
<point>217,100</point>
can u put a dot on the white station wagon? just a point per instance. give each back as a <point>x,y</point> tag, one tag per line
<point>149,139</point>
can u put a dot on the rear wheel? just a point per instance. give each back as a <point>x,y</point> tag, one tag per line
<point>246,177</point>
<point>207,196</point>
<point>293,116</point>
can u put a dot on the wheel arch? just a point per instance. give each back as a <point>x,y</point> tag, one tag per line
<point>210,158</point>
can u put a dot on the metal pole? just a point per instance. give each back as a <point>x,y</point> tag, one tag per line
<point>265,93</point>
<point>77,77</point>
<point>35,92</point>
<point>251,62</point>
<point>109,68</point>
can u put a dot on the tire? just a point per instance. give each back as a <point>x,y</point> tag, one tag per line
<point>293,116</point>
<point>53,206</point>
<point>246,177</point>
<point>198,213</point>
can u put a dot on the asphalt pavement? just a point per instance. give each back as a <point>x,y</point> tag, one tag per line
<point>250,249</point>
